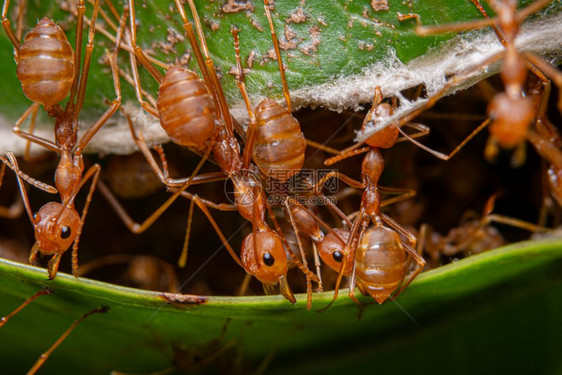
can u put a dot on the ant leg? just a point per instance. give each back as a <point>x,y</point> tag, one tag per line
<point>105,16</point>
<point>172,183</point>
<point>403,195</point>
<point>116,84</point>
<point>479,6</point>
<point>317,219</point>
<point>245,284</point>
<point>43,357</point>
<point>351,293</point>
<point>131,81</point>
<point>8,26</point>
<point>421,264</point>
<point>550,71</point>
<point>348,180</point>
<point>422,236</point>
<point>22,7</point>
<point>187,25</point>
<point>42,292</point>
<point>28,136</point>
<point>530,9</point>
<point>27,152</point>
<point>108,113</point>
<point>139,228</point>
<point>33,254</point>
<point>422,30</point>
<point>303,268</point>
<point>11,161</point>
<point>318,266</point>
<point>214,80</point>
<point>87,59</point>
<point>349,247</point>
<point>331,205</point>
<point>347,153</point>
<point>451,83</point>
<point>278,54</point>
<point>421,131</point>
<point>16,209</point>
<point>399,228</point>
<point>127,220</point>
<point>138,50</point>
<point>183,256</point>
<point>138,88</point>
<point>521,224</point>
<point>80,10</point>
<point>303,256</point>
<point>93,173</point>
<point>163,175</point>
<point>112,8</point>
<point>203,208</point>
<point>322,147</point>
<point>457,149</point>
<point>241,83</point>
<point>547,149</point>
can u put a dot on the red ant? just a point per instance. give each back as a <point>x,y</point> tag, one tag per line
<point>262,252</point>
<point>177,113</point>
<point>511,112</point>
<point>47,70</point>
<point>376,257</point>
<point>278,147</point>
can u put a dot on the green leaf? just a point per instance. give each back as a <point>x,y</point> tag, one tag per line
<point>335,57</point>
<point>500,309</point>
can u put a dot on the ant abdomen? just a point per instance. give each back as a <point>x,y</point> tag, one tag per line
<point>46,64</point>
<point>187,111</point>
<point>380,262</point>
<point>279,145</point>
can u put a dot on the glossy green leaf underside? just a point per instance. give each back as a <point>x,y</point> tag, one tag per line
<point>498,310</point>
<point>324,40</point>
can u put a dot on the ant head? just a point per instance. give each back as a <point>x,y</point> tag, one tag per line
<point>267,262</point>
<point>56,227</point>
<point>332,248</point>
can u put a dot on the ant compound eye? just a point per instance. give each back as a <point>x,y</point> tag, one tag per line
<point>268,259</point>
<point>338,256</point>
<point>65,232</point>
<point>35,216</point>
